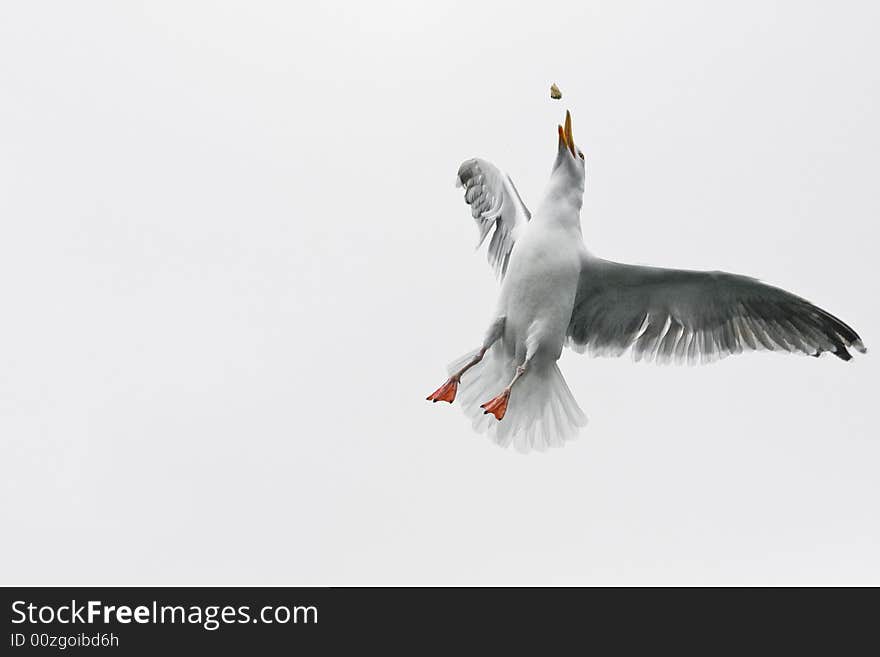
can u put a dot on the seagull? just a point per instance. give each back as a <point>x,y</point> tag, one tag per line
<point>555,293</point>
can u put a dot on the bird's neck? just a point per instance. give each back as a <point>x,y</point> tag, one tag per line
<point>562,201</point>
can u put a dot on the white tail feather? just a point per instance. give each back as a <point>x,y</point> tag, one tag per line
<point>541,412</point>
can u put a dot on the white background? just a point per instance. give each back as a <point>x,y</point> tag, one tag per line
<point>233,263</point>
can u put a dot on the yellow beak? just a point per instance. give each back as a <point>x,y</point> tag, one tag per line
<point>565,136</point>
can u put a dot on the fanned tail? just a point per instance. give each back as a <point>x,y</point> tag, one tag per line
<point>541,412</point>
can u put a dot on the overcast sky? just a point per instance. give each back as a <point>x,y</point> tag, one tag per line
<point>233,264</point>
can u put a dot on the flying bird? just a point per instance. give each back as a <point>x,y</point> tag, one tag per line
<point>555,293</point>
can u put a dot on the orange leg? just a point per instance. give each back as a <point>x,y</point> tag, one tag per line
<point>447,391</point>
<point>498,405</point>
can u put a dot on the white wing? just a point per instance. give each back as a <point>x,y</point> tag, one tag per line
<point>671,315</point>
<point>494,203</point>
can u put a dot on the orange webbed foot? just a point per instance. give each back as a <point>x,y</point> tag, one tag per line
<point>497,406</point>
<point>446,392</point>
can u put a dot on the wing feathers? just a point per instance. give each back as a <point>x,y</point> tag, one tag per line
<point>495,204</point>
<point>667,315</point>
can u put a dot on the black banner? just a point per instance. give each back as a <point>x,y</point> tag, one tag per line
<point>135,620</point>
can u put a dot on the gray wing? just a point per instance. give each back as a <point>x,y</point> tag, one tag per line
<point>495,203</point>
<point>672,315</point>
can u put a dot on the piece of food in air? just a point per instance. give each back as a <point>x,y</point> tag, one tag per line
<point>555,94</point>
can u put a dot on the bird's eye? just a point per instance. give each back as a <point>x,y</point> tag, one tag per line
<point>581,155</point>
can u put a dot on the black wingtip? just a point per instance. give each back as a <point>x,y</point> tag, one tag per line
<point>842,353</point>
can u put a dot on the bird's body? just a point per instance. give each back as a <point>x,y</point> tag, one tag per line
<point>554,292</point>
<point>538,292</point>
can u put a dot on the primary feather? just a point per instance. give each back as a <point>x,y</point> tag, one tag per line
<point>676,316</point>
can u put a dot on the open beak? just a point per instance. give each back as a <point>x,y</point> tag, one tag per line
<point>565,136</point>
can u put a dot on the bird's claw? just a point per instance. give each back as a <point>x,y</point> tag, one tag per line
<point>497,406</point>
<point>446,392</point>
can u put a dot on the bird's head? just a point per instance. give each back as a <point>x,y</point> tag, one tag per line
<point>569,168</point>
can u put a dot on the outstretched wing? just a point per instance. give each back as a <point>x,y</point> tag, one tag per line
<point>495,203</point>
<point>670,315</point>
